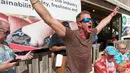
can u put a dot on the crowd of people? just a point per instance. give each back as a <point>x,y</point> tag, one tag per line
<point>78,43</point>
<point>74,46</point>
<point>114,60</point>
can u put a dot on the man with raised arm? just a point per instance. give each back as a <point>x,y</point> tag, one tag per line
<point>78,43</point>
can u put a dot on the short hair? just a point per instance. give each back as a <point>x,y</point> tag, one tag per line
<point>120,44</point>
<point>82,12</point>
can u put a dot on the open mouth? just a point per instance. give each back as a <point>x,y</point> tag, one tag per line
<point>89,27</point>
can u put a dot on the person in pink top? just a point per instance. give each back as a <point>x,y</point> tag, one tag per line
<point>107,64</point>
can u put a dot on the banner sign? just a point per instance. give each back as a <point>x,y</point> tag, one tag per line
<point>125,25</point>
<point>60,9</point>
<point>27,30</point>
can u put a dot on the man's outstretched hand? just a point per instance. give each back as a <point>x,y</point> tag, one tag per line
<point>115,11</point>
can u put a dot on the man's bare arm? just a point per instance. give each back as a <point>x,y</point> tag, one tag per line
<point>106,20</point>
<point>46,16</point>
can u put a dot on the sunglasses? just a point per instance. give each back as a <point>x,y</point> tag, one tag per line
<point>123,48</point>
<point>86,20</point>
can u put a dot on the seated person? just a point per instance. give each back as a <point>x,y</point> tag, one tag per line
<point>107,64</point>
<point>123,55</point>
<point>122,58</point>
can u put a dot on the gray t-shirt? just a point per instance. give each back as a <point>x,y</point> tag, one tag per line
<point>78,52</point>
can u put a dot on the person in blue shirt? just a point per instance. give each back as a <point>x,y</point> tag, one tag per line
<point>123,55</point>
<point>8,59</point>
<point>95,39</point>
